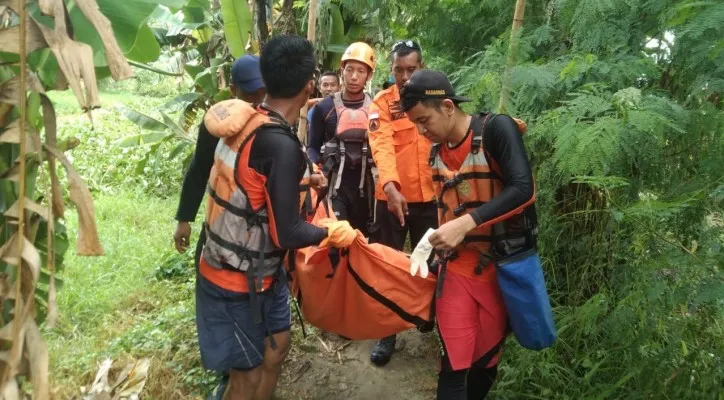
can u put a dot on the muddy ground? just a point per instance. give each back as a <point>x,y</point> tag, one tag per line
<point>325,366</point>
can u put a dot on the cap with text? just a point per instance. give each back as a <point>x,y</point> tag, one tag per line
<point>428,84</point>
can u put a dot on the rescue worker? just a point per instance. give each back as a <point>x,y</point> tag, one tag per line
<point>485,192</point>
<point>242,299</point>
<point>246,84</point>
<point>328,83</point>
<point>404,193</point>
<point>338,139</point>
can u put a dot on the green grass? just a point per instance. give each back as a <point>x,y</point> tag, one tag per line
<point>137,300</point>
<point>114,306</point>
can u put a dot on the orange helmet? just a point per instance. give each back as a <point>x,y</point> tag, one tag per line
<point>361,52</point>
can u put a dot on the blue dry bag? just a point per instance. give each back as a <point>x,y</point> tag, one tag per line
<point>521,281</point>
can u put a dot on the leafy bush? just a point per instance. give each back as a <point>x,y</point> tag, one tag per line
<point>107,167</point>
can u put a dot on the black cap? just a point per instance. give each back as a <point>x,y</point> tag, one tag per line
<point>428,84</point>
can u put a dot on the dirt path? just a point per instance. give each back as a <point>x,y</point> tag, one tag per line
<point>340,369</point>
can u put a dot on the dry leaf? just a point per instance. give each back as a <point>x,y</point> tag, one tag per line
<point>88,243</point>
<point>31,227</point>
<point>74,58</point>
<point>14,212</point>
<point>51,133</point>
<point>11,390</point>
<point>12,174</point>
<point>116,60</point>
<point>9,89</point>
<point>12,135</point>
<point>136,380</point>
<point>37,354</point>
<point>100,383</point>
<point>4,286</point>
<point>10,39</point>
<point>9,254</point>
<point>47,7</point>
<point>123,375</point>
<point>6,332</point>
<point>12,357</point>
<point>52,316</point>
<point>5,109</point>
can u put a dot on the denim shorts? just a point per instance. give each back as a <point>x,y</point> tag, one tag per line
<point>228,336</point>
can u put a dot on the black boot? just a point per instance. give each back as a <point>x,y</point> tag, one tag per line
<point>220,388</point>
<point>382,352</point>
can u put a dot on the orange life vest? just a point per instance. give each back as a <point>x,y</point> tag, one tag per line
<point>238,234</point>
<point>476,183</point>
<point>349,147</point>
<point>368,280</point>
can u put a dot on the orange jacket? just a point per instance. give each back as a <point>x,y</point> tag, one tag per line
<point>400,153</point>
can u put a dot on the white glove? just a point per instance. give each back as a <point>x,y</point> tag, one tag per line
<point>418,259</point>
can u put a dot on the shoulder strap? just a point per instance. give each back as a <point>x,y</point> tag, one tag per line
<point>338,103</point>
<point>433,153</point>
<point>478,126</point>
<point>368,101</point>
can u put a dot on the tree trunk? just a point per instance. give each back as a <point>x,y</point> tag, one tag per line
<point>311,34</point>
<point>261,22</point>
<point>512,48</point>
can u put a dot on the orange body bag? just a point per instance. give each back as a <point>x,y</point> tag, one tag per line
<point>368,295</point>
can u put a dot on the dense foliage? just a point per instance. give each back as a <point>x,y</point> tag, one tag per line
<point>626,134</point>
<point>623,100</point>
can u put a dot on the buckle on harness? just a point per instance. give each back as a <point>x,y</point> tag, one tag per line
<point>483,262</point>
<point>254,219</point>
<point>459,210</point>
<point>476,143</point>
<point>451,183</point>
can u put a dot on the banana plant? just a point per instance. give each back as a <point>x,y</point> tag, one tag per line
<point>67,45</point>
<point>211,41</point>
<point>336,29</point>
<point>157,133</point>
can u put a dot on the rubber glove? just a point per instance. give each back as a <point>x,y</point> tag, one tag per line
<point>340,234</point>
<point>418,259</point>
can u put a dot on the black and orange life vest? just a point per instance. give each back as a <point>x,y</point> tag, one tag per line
<point>474,184</point>
<point>349,148</point>
<point>238,235</point>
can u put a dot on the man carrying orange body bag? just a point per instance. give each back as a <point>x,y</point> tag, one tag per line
<point>486,194</point>
<point>253,217</point>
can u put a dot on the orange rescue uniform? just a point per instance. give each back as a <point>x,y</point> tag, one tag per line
<point>400,152</point>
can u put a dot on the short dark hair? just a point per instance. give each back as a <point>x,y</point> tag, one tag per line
<point>386,85</point>
<point>404,48</point>
<point>329,73</point>
<point>287,64</point>
<point>404,52</point>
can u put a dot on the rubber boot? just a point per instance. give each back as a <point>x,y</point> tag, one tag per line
<point>382,352</point>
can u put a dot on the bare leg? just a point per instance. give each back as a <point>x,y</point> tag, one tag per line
<point>271,367</point>
<point>243,384</point>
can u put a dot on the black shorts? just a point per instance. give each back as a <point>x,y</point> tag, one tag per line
<point>228,336</point>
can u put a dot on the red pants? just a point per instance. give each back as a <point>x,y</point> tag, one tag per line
<point>471,318</point>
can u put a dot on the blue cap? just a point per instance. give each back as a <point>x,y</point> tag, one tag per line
<point>245,73</point>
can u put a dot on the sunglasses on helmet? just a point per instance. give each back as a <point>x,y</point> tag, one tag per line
<point>406,43</point>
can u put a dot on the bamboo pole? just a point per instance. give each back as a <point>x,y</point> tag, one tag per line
<point>311,35</point>
<point>19,313</point>
<point>512,48</point>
